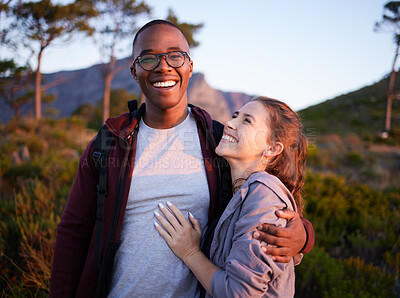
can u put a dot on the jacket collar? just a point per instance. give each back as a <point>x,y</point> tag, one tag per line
<point>123,125</point>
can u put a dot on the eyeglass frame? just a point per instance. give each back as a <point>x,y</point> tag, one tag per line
<point>185,54</point>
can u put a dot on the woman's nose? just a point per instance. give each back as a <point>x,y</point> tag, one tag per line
<point>229,124</point>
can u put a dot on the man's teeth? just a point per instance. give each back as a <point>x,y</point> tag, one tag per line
<point>229,139</point>
<point>164,84</point>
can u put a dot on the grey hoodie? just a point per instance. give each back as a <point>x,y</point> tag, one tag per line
<point>245,270</point>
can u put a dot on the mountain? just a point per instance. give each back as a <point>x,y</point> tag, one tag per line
<point>361,112</point>
<point>74,88</point>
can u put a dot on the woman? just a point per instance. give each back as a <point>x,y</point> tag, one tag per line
<point>266,151</point>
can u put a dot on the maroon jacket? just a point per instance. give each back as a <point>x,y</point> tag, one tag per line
<point>73,272</point>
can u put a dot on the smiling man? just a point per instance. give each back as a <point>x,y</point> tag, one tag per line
<point>164,152</point>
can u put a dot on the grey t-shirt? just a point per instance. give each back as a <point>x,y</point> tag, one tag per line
<point>168,167</point>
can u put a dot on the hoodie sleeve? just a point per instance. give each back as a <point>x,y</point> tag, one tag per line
<point>247,270</point>
<point>310,235</point>
<point>75,229</point>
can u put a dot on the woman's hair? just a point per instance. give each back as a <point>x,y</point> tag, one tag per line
<point>286,127</point>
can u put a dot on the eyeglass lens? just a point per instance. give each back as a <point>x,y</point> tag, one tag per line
<point>150,61</point>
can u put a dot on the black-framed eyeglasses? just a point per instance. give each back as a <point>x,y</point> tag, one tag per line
<point>150,62</point>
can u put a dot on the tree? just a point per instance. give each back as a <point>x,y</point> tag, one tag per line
<point>40,24</point>
<point>115,23</point>
<point>15,83</point>
<point>391,20</point>
<point>188,29</point>
<point>4,9</point>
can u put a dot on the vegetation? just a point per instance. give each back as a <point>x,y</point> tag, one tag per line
<point>115,23</point>
<point>38,25</point>
<point>15,84</point>
<point>356,221</point>
<point>93,116</point>
<point>391,19</point>
<point>357,250</point>
<point>34,186</point>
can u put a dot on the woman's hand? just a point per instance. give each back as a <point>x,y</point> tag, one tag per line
<point>182,237</point>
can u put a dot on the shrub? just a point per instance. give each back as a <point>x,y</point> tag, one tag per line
<point>354,158</point>
<point>26,170</point>
<point>351,218</point>
<point>34,222</point>
<point>5,163</point>
<point>320,275</point>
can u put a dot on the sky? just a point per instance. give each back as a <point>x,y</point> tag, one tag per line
<point>301,52</point>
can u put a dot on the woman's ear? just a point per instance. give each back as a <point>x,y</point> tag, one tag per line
<point>273,150</point>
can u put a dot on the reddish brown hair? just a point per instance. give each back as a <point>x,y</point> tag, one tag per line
<point>286,127</point>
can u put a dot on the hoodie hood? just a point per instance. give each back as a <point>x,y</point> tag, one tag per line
<point>123,125</point>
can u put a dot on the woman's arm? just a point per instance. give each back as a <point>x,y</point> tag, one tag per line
<point>184,240</point>
<point>296,237</point>
<point>247,268</point>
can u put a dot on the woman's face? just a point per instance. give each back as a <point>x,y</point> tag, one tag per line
<point>246,135</point>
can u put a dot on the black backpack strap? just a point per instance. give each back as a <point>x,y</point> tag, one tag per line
<point>218,130</point>
<point>101,148</point>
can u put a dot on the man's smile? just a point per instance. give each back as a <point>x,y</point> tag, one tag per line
<point>165,84</point>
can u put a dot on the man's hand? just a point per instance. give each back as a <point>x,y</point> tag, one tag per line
<point>286,242</point>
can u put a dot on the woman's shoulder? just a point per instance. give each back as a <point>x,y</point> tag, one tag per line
<point>263,185</point>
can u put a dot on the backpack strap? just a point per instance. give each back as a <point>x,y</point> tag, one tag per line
<point>218,130</point>
<point>101,148</point>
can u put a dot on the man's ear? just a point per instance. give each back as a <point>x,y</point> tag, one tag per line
<point>133,72</point>
<point>190,68</point>
<point>273,150</point>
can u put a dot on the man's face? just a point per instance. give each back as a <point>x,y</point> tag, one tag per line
<point>164,87</point>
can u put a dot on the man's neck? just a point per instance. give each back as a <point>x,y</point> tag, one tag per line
<point>163,119</point>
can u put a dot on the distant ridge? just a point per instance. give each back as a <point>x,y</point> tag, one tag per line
<point>361,112</point>
<point>86,86</point>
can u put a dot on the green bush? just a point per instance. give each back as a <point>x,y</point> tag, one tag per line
<point>26,170</point>
<point>28,238</point>
<point>5,163</point>
<point>320,275</point>
<point>351,218</point>
<point>354,159</point>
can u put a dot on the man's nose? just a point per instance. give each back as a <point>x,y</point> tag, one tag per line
<point>162,63</point>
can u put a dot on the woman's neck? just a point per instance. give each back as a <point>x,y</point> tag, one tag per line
<point>240,171</point>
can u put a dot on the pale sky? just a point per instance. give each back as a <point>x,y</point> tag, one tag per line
<point>301,52</point>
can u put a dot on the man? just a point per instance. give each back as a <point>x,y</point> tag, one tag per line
<point>164,152</point>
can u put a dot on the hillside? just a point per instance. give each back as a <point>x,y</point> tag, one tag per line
<point>361,112</point>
